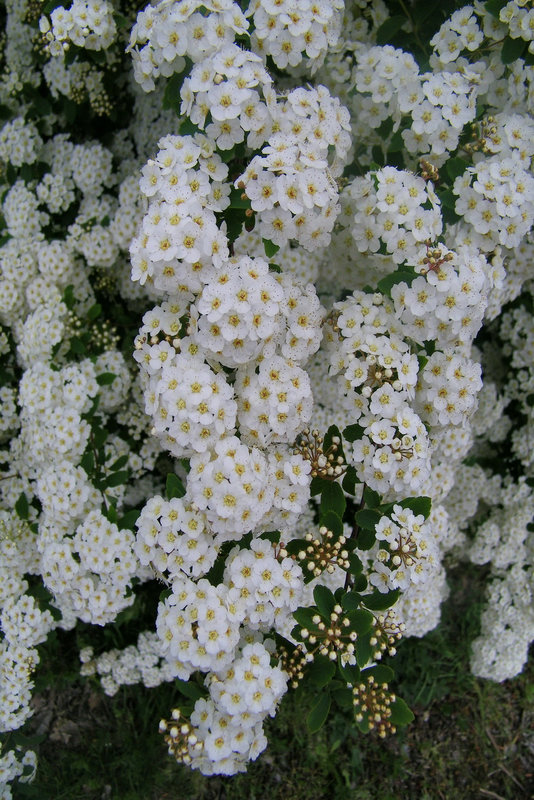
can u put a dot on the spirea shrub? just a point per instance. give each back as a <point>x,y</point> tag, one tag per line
<point>266,343</point>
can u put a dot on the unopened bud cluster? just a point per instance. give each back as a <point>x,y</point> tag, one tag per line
<point>428,171</point>
<point>480,136</point>
<point>324,554</point>
<point>324,463</point>
<point>434,259</point>
<point>294,663</point>
<point>387,632</point>
<point>372,702</point>
<point>179,736</point>
<point>333,639</point>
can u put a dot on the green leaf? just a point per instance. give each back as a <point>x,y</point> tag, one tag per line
<point>356,565</point>
<point>380,601</point>
<point>304,617</point>
<point>110,512</point>
<point>189,689</point>
<point>332,432</point>
<point>174,486</point>
<point>317,716</point>
<point>120,20</point>
<point>77,346</point>
<point>494,7</point>
<point>353,432</point>
<point>50,5</point>
<point>350,479</point>
<point>318,485</point>
<point>129,519</point>
<point>324,600</point>
<point>401,714</point>
<point>171,95</point>
<point>455,167</point>
<point>350,601</point>
<point>333,499</point>
<point>321,671</point>
<point>331,521</point>
<point>371,498</point>
<point>389,28</point>
<point>367,518</point>
<point>94,312</point>
<point>396,143</point>
<point>236,199</point>
<point>117,479</point>
<point>361,621</point>
<point>419,505</point>
<point>87,461</point>
<point>366,539</point>
<point>512,49</point>
<point>380,673</point>
<point>68,296</point>
<point>119,463</point>
<point>271,249</point>
<point>342,697</point>
<point>400,276</point>
<point>105,378</point>
<point>349,672</point>
<point>363,650</point>
<point>359,583</point>
<point>22,506</point>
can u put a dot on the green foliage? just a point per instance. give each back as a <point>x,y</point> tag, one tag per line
<point>174,486</point>
<point>22,507</point>
<point>317,716</point>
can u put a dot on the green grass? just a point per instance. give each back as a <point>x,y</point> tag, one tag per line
<point>470,738</point>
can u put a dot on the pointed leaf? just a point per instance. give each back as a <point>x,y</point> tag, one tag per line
<point>353,432</point>
<point>343,697</point>
<point>321,671</point>
<point>512,49</point>
<point>271,249</point>
<point>105,379</point>
<point>361,621</point>
<point>389,28</point>
<point>367,518</point>
<point>317,716</point>
<point>333,522</point>
<point>350,479</point>
<point>333,499</point>
<point>371,498</point>
<point>304,617</point>
<point>401,714</point>
<point>363,650</point>
<point>324,600</point>
<point>380,601</point>
<point>380,673</point>
<point>22,506</point>
<point>419,505</point>
<point>174,486</point>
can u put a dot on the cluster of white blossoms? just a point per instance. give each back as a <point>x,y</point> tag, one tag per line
<point>179,236</point>
<point>292,184</point>
<point>436,104</point>
<point>247,215</point>
<point>496,196</point>
<point>166,33</point>
<point>20,142</point>
<point>519,18</point>
<point>289,34</point>
<point>87,23</point>
<point>460,32</point>
<point>228,86</point>
<point>395,213</point>
<point>405,552</point>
